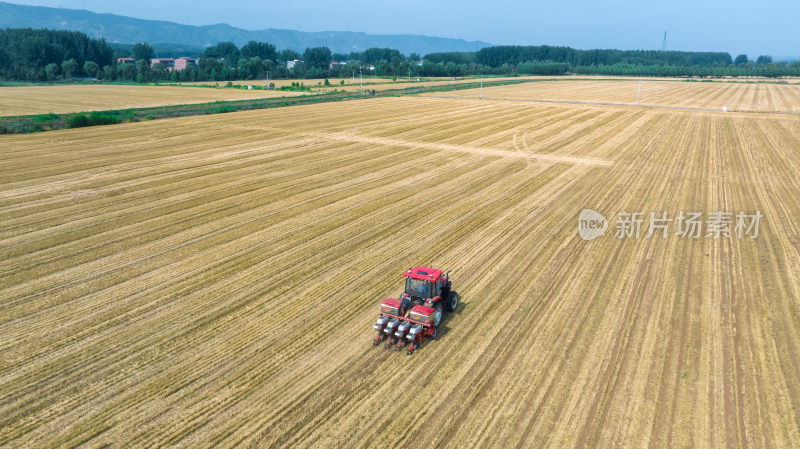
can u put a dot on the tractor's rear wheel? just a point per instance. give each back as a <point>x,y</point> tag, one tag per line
<point>437,315</point>
<point>452,303</point>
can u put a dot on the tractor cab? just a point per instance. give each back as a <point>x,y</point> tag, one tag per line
<point>423,283</point>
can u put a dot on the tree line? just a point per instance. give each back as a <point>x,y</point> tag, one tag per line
<point>36,55</point>
<point>553,60</point>
<point>517,54</point>
<point>49,55</point>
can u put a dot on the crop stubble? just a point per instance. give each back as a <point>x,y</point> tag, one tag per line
<point>27,100</point>
<point>735,96</point>
<point>212,280</point>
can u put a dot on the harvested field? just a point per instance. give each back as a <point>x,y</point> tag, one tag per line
<point>752,97</point>
<point>61,99</point>
<point>213,280</point>
<point>379,84</point>
<point>26,100</point>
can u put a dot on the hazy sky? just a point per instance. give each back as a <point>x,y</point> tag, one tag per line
<point>736,26</point>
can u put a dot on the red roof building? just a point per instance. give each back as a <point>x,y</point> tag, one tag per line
<point>169,63</point>
<point>185,63</point>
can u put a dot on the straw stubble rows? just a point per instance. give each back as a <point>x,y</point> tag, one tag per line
<point>213,280</point>
<point>731,95</point>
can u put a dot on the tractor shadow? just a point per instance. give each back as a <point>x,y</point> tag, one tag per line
<point>443,326</point>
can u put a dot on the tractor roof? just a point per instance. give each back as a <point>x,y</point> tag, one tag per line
<point>424,274</point>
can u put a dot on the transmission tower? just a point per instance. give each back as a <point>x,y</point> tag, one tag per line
<point>664,42</point>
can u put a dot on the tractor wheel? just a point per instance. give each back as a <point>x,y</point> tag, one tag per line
<point>437,315</point>
<point>435,333</point>
<point>452,304</point>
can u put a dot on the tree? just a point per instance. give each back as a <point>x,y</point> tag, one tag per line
<point>300,70</point>
<point>404,69</point>
<point>267,65</point>
<point>741,59</point>
<point>69,67</point>
<point>142,51</point>
<point>373,55</point>
<point>143,67</point>
<point>109,72</point>
<point>5,60</point>
<point>262,50</point>
<point>351,69</point>
<point>252,68</point>
<point>318,57</point>
<point>381,67</point>
<point>159,72</point>
<point>395,62</point>
<point>128,71</point>
<point>244,69</point>
<point>51,70</point>
<point>414,57</point>
<point>227,51</point>
<point>288,55</point>
<point>764,59</point>
<point>90,68</point>
<point>207,65</point>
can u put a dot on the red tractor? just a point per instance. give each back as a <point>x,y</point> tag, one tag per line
<point>419,310</point>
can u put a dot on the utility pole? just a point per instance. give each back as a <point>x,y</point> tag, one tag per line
<point>664,42</point>
<point>267,79</point>
<point>639,92</point>
<point>361,79</point>
<point>481,88</point>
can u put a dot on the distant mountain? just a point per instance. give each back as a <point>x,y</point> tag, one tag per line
<point>122,29</point>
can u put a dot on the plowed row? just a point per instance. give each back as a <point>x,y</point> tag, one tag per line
<point>212,281</point>
<point>27,100</point>
<point>735,96</point>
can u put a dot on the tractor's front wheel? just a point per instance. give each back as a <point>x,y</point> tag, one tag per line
<point>437,315</point>
<point>452,303</point>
